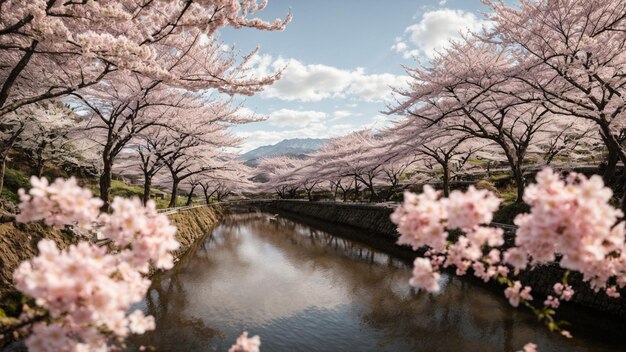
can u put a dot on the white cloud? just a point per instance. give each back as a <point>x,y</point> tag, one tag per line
<point>341,113</point>
<point>434,31</point>
<point>315,82</point>
<point>292,118</point>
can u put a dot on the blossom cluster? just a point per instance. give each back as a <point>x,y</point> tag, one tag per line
<point>58,204</point>
<point>87,290</point>
<point>570,222</point>
<point>150,234</point>
<point>420,219</point>
<point>246,344</point>
<point>423,219</point>
<point>573,217</point>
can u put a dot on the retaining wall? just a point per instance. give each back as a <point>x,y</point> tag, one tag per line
<point>18,242</point>
<point>371,217</point>
<point>193,224</point>
<point>375,220</point>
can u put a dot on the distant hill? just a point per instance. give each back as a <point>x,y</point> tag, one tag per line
<point>298,147</point>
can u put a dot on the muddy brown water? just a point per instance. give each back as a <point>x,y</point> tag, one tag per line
<point>304,289</point>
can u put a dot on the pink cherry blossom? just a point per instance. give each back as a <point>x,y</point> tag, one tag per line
<point>420,220</point>
<point>469,209</point>
<point>58,204</point>
<point>424,277</point>
<point>87,290</point>
<point>246,344</point>
<point>552,302</point>
<point>516,293</point>
<point>573,217</point>
<point>565,292</point>
<point>515,257</point>
<point>529,347</point>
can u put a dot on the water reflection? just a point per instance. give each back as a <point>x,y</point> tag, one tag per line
<point>303,289</point>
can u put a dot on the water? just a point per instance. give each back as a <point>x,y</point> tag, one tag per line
<point>302,289</point>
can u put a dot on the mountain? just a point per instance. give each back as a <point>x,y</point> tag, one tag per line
<point>295,147</point>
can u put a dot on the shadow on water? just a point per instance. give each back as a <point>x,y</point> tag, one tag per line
<point>304,287</point>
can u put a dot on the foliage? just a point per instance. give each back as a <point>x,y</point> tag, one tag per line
<point>14,180</point>
<point>507,212</point>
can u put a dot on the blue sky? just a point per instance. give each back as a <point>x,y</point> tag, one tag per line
<point>341,56</point>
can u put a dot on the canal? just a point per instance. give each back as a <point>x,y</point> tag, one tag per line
<point>304,289</point>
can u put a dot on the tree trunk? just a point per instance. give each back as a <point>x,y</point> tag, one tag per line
<point>175,183</point>
<point>10,80</point>
<point>40,167</point>
<point>446,179</point>
<point>389,194</point>
<point>206,195</point>
<point>519,182</point>
<point>147,185</point>
<point>105,184</point>
<point>308,194</point>
<point>372,193</point>
<point>392,190</point>
<point>611,164</point>
<point>190,196</point>
<point>3,165</point>
<point>515,162</point>
<point>614,145</point>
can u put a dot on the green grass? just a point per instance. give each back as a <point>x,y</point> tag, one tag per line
<point>499,176</point>
<point>14,180</point>
<point>121,189</point>
<point>54,173</point>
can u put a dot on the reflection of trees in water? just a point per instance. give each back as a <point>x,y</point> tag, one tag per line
<point>461,317</point>
<point>168,301</point>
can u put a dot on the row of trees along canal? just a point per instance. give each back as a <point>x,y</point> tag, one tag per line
<point>545,84</point>
<point>127,85</point>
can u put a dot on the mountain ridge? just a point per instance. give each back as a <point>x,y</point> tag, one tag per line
<point>293,146</point>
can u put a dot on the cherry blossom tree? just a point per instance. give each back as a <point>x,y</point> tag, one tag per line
<point>125,106</point>
<point>232,178</point>
<point>410,138</point>
<point>468,89</point>
<point>48,136</point>
<point>280,173</point>
<point>572,53</point>
<point>52,48</point>
<point>350,156</point>
<point>40,130</point>
<point>198,146</point>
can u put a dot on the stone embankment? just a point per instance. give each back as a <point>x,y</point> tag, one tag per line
<point>193,224</point>
<point>18,242</point>
<point>374,219</point>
